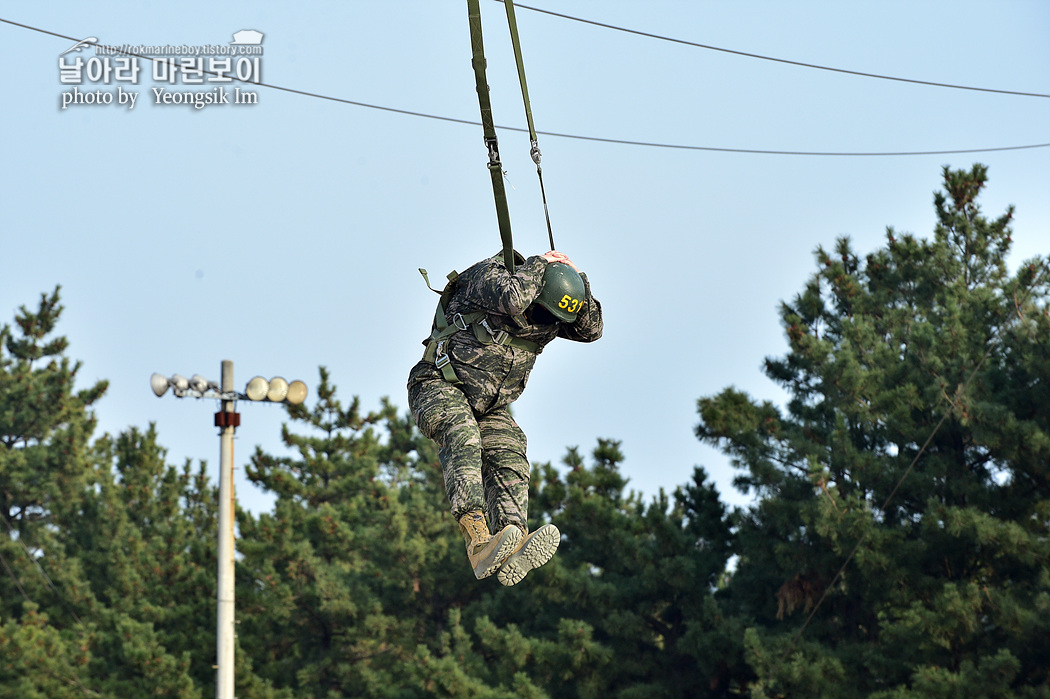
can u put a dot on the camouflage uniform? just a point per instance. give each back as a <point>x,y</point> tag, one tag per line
<point>482,449</point>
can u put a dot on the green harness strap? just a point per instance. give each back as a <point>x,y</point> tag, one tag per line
<point>512,22</point>
<point>442,330</point>
<point>476,321</point>
<point>495,167</point>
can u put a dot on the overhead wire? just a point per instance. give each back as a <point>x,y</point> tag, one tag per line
<point>777,60</point>
<point>555,134</point>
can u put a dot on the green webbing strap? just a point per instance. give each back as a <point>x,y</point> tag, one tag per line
<point>426,278</point>
<point>535,152</point>
<point>446,295</point>
<point>489,128</point>
<point>441,331</point>
<point>436,344</point>
<point>513,23</point>
<point>487,336</point>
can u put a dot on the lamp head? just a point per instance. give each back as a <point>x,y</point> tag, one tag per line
<point>257,388</point>
<point>159,384</point>
<point>296,392</point>
<point>278,389</point>
<point>198,383</point>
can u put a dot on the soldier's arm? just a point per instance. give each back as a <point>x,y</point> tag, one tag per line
<point>509,294</point>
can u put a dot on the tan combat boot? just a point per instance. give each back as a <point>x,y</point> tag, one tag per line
<point>486,552</point>
<point>537,548</point>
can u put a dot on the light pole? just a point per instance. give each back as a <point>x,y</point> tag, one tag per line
<point>276,390</point>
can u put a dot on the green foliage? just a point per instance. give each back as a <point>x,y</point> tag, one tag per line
<point>105,586</point>
<point>635,580</point>
<point>149,557</point>
<point>915,446</point>
<point>44,421</point>
<point>37,660</point>
<point>897,547</point>
<point>44,466</point>
<point>340,580</point>
<point>357,583</point>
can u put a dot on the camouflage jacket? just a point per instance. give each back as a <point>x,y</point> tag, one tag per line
<point>494,376</point>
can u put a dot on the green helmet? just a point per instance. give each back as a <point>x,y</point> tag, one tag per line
<point>563,292</point>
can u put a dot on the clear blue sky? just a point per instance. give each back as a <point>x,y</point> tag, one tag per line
<point>286,235</point>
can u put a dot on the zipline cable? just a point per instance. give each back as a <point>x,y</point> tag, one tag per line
<point>778,60</point>
<point>579,137</point>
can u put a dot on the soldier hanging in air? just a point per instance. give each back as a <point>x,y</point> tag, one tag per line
<point>489,327</point>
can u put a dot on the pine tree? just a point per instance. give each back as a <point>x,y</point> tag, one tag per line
<point>626,608</point>
<point>45,423</point>
<point>144,539</point>
<point>912,457</point>
<point>45,464</point>
<point>340,581</point>
<point>357,583</point>
<point>107,581</point>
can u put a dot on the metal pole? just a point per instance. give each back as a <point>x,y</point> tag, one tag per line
<point>276,390</point>
<point>227,419</point>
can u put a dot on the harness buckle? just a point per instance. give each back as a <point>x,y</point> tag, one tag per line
<point>459,322</point>
<point>441,359</point>
<point>500,337</point>
<point>493,147</point>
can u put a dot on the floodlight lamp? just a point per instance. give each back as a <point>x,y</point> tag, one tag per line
<point>296,392</point>
<point>159,384</point>
<point>198,383</point>
<point>179,382</point>
<point>278,389</point>
<point>257,388</point>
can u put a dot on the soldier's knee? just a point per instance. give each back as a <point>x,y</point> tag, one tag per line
<point>436,404</point>
<point>507,461</point>
<point>460,434</point>
<point>447,424</point>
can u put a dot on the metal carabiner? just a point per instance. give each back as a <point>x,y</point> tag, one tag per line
<point>498,336</point>
<point>535,153</point>
<point>441,359</point>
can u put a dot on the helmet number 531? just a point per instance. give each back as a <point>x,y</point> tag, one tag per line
<point>570,304</point>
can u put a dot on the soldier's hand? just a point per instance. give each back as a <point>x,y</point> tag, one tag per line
<point>555,256</point>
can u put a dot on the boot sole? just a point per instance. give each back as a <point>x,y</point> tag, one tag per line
<point>509,540</point>
<point>538,548</point>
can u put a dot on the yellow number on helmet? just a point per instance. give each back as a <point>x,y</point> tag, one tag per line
<point>570,304</point>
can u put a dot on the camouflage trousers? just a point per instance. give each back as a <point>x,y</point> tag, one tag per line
<point>482,455</point>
